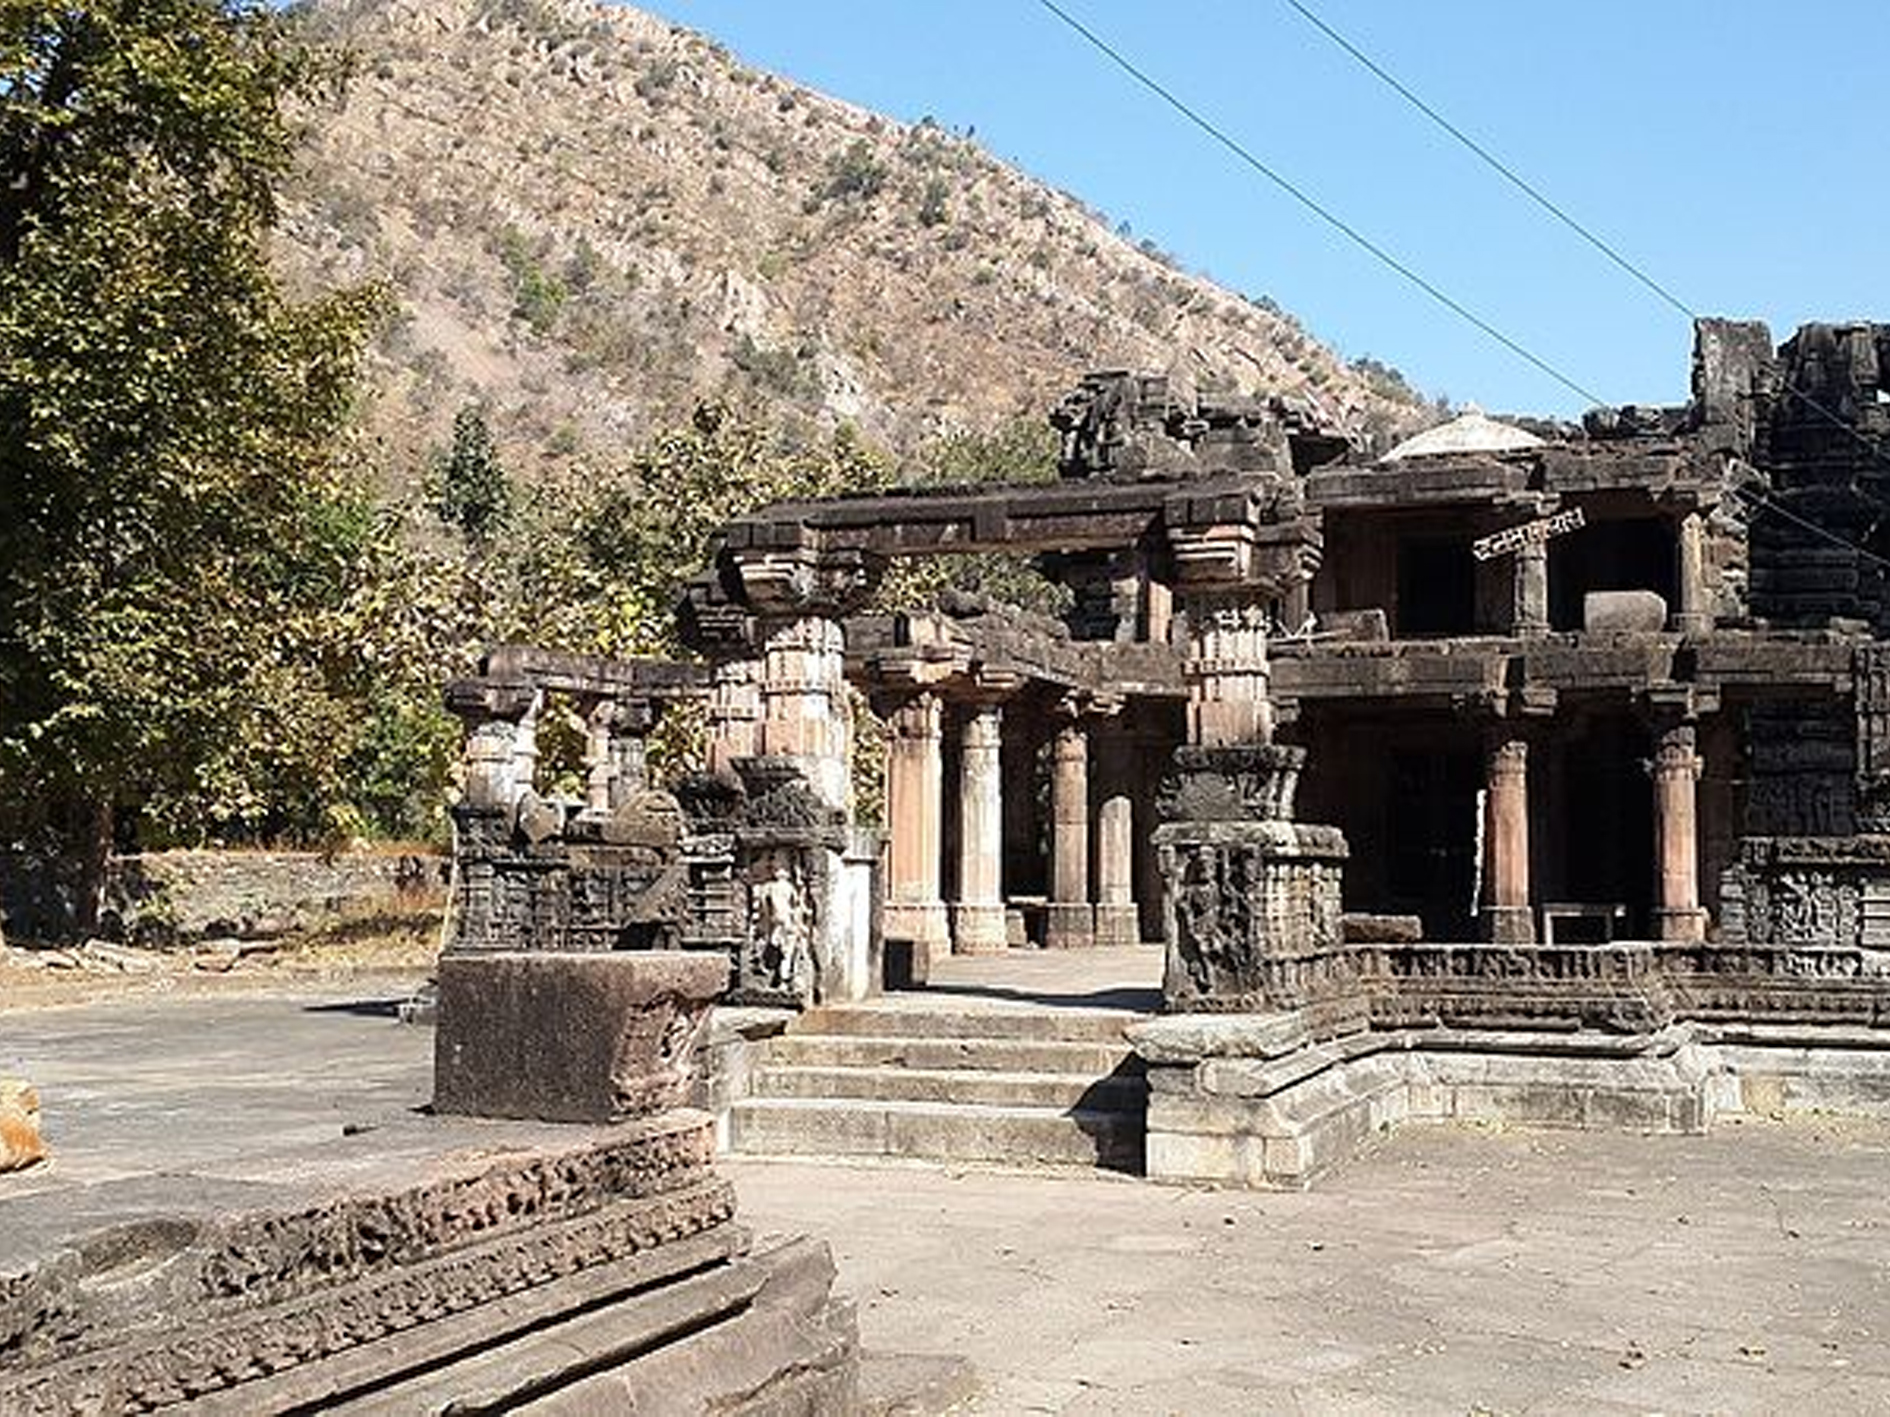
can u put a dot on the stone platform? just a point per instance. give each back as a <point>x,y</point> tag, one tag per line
<point>1003,1059</point>
<point>247,1210</point>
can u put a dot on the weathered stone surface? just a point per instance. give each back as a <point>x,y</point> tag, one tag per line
<point>433,1265</point>
<point>1252,918</point>
<point>20,1142</point>
<point>570,1037</point>
<point>1277,1120</point>
<point>1191,1038</point>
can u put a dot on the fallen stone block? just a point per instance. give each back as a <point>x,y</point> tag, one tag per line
<point>571,1037</point>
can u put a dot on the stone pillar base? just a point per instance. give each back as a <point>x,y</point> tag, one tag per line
<point>1509,924</point>
<point>1069,927</point>
<point>1253,919</point>
<point>924,921</point>
<point>1687,926</point>
<point>916,933</point>
<point>1118,924</point>
<point>979,929</point>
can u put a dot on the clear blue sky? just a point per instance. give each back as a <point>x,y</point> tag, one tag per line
<point>1732,148</point>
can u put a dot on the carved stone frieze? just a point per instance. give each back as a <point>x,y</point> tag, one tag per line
<point>1241,783</point>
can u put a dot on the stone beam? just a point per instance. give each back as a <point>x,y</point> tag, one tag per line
<point>1074,516</point>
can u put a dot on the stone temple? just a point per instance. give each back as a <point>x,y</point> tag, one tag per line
<point>1537,772</point>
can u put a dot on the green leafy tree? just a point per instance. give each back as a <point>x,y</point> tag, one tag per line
<point>598,565</point>
<point>475,494</point>
<point>178,544</point>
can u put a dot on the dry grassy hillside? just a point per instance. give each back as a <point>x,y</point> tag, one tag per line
<point>591,220</point>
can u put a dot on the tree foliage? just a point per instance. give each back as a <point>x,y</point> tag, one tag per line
<point>208,629</point>
<point>179,546</point>
<point>475,493</point>
<point>597,565</point>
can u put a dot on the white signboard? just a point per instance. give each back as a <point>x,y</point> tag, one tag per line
<point>1513,539</point>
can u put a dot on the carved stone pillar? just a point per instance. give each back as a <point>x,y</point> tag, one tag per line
<point>1676,771</point>
<point>1117,920</point>
<point>1531,603</point>
<point>1507,917</point>
<point>1695,613</point>
<point>1295,604</point>
<point>978,914</point>
<point>1158,611</point>
<point>1871,674</point>
<point>1071,922</point>
<point>501,751</point>
<point>799,595</point>
<point>525,748</point>
<point>600,758</point>
<point>804,712</point>
<point>915,774</point>
<point>629,757</point>
<point>1227,670</point>
<point>734,713</point>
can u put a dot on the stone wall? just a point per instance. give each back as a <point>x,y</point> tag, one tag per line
<point>171,897</point>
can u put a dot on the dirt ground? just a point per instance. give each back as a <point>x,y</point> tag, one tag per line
<point>33,977</point>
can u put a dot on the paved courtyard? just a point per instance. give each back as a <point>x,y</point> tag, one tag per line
<point>1451,1271</point>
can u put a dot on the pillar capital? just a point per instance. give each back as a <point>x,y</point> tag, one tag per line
<point>805,579</point>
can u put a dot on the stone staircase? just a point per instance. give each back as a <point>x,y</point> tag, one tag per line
<point>943,1078</point>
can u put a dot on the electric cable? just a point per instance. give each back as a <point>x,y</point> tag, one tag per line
<point>1430,288</point>
<point>1554,209</point>
<point>1313,205</point>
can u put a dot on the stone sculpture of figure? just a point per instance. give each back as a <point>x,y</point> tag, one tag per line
<point>778,916</point>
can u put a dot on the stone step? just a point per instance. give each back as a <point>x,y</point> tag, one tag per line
<point>1120,1091</point>
<point>939,1019</point>
<point>1012,1055</point>
<point>1017,1136</point>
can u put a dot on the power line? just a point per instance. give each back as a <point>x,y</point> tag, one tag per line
<point>1515,179</point>
<point>1536,195</point>
<point>1351,233</point>
<point>1306,200</point>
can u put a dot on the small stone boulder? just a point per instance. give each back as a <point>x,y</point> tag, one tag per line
<point>1624,612</point>
<point>20,1142</point>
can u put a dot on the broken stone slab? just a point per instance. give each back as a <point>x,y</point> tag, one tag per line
<point>1364,928</point>
<point>104,957</point>
<point>433,1265</point>
<point>20,1142</point>
<point>571,1037</point>
<point>1186,1039</point>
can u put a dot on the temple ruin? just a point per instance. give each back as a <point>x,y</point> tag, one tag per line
<point>1530,769</point>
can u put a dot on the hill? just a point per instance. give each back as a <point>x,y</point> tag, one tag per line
<point>592,220</point>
